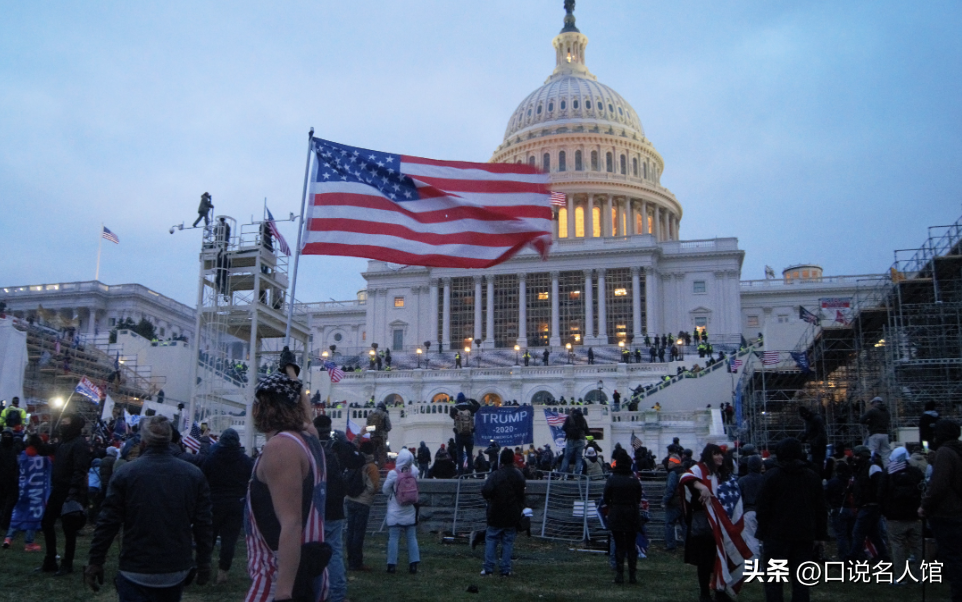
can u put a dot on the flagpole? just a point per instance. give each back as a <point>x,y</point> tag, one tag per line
<point>100,244</point>
<point>300,232</point>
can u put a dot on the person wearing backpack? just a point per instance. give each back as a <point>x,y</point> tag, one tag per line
<point>463,414</point>
<point>358,506</point>
<point>901,494</point>
<point>504,492</point>
<point>401,489</point>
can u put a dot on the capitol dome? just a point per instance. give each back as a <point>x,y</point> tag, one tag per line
<point>592,144</point>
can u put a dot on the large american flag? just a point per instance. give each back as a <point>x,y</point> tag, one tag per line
<point>417,211</point>
<point>110,235</point>
<point>724,511</point>
<point>281,243</point>
<point>333,371</point>
<point>770,358</point>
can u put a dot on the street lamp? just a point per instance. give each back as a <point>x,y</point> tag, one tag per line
<point>371,353</point>
<point>568,347</point>
<point>467,351</point>
<point>57,402</point>
<point>517,355</point>
<point>419,356</point>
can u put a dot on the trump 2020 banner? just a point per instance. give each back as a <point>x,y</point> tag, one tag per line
<point>508,426</point>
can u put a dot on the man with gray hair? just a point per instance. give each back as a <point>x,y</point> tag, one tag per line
<point>164,507</point>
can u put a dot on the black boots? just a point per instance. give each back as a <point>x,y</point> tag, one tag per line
<point>620,577</point>
<point>413,568</point>
<point>631,577</point>
<point>392,568</point>
<point>49,565</point>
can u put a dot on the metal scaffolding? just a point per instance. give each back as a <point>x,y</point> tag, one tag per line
<point>903,344</point>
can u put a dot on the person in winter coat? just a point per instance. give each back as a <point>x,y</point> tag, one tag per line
<point>865,490</point>
<point>750,485</point>
<point>877,420</point>
<point>792,515</point>
<point>9,477</point>
<point>228,471</point>
<point>481,464</point>
<point>942,501</point>
<point>424,459</point>
<point>575,429</point>
<point>928,419</point>
<point>623,495</point>
<point>901,494</point>
<point>359,509</point>
<point>674,514</point>
<point>816,437</point>
<point>71,460</point>
<point>107,465</point>
<point>504,492</point>
<point>593,466</point>
<point>841,509</point>
<point>401,518</point>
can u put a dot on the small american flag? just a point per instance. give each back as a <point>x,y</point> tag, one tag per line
<point>736,363</point>
<point>191,441</point>
<point>110,235</point>
<point>554,418</point>
<point>281,243</point>
<point>333,371</point>
<point>770,358</point>
<point>558,199</point>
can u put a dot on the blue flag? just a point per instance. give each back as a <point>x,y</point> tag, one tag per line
<point>801,360</point>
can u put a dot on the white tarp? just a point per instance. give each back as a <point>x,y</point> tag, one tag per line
<point>13,360</point>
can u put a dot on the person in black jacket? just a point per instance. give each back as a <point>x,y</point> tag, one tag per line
<point>9,477</point>
<point>928,419</point>
<point>424,460</point>
<point>228,471</point>
<point>68,482</point>
<point>900,497</point>
<point>815,436</point>
<point>791,515</point>
<point>163,505</point>
<point>865,491</point>
<point>504,492</point>
<point>623,495</point>
<point>575,429</point>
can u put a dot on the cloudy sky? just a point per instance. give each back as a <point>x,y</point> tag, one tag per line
<point>827,132</point>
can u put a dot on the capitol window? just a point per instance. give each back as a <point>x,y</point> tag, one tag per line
<point>529,112</point>
<point>574,104</point>
<point>578,164</point>
<point>562,161</point>
<point>550,107</point>
<point>546,163</point>
<point>596,221</point>
<point>608,163</point>
<point>531,160</point>
<point>562,105</point>
<point>594,160</point>
<point>621,292</point>
<point>539,109</point>
<point>634,167</point>
<point>624,165</point>
<point>611,109</point>
<point>620,112</point>
<point>645,167</point>
<point>579,222</point>
<point>699,287</point>
<point>337,337</point>
<point>542,296</point>
<point>399,302</point>
<point>562,222</point>
<point>752,321</point>
<point>587,104</point>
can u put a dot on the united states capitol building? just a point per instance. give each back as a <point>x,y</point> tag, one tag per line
<point>619,271</point>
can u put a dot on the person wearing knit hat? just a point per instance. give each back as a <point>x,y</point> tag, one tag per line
<point>622,495</point>
<point>504,492</point>
<point>900,496</point>
<point>593,465</point>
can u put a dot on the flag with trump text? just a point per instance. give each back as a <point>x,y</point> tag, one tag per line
<point>415,211</point>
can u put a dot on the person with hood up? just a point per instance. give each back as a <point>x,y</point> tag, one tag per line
<point>622,494</point>
<point>865,492</point>
<point>750,485</point>
<point>575,429</point>
<point>900,496</point>
<point>71,459</point>
<point>424,459</point>
<point>792,516</point>
<point>228,471</point>
<point>504,493</point>
<point>401,518</point>
<point>443,467</point>
<point>942,501</point>
<point>593,467</point>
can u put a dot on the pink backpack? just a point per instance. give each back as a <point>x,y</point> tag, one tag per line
<point>406,489</point>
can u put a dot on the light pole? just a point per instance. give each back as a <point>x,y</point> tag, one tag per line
<point>621,348</point>
<point>467,351</point>
<point>517,355</point>
<point>371,353</point>
<point>419,357</point>
<point>568,347</point>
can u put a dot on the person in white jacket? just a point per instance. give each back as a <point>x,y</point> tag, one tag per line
<point>401,518</point>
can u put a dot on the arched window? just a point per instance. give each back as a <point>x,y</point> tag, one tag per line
<point>563,104</point>
<point>531,160</point>
<point>441,398</point>
<point>491,399</point>
<point>539,109</point>
<point>546,162</point>
<point>596,396</point>
<point>562,161</point>
<point>596,221</point>
<point>550,107</point>
<point>611,109</point>
<point>544,398</point>
<point>609,167</point>
<point>562,222</point>
<point>579,222</point>
<point>594,160</point>
<point>578,164</point>
<point>588,104</point>
<point>640,224</point>
<point>574,104</point>
<point>393,398</point>
<point>634,166</point>
<point>529,112</point>
<point>624,165</point>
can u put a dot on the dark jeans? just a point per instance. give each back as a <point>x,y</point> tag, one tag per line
<point>948,536</point>
<point>8,499</point>
<point>843,521</point>
<point>128,591</point>
<point>49,523</point>
<point>464,444</point>
<point>625,546</point>
<point>357,515</point>
<point>867,525</point>
<point>228,518</point>
<point>674,516</point>
<point>795,552</point>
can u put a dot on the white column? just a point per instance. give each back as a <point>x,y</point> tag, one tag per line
<point>489,323</point>
<point>632,219</point>
<point>522,311</point>
<point>610,227</point>
<point>446,315</point>
<point>653,309</point>
<point>658,224</point>
<point>570,202</point>
<point>555,340</point>
<point>477,307</point>
<point>433,312</point>
<point>636,302</point>
<point>589,217</point>
<point>644,217</point>
<point>602,310</point>
<point>589,308</point>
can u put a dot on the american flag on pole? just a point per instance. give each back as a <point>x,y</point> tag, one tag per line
<point>110,235</point>
<point>333,371</point>
<point>770,358</point>
<point>281,243</point>
<point>192,441</point>
<point>808,316</point>
<point>558,199</point>
<point>555,421</point>
<point>726,521</point>
<point>736,363</point>
<point>417,211</point>
<point>89,390</point>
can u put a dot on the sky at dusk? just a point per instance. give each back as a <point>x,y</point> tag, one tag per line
<point>825,132</point>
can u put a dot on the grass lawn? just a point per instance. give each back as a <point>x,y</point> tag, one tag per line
<point>543,572</point>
